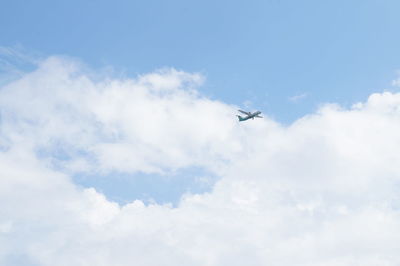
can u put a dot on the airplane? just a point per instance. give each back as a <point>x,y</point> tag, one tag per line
<point>248,115</point>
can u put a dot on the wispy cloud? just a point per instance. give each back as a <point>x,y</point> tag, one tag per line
<point>396,82</point>
<point>297,98</point>
<point>14,62</point>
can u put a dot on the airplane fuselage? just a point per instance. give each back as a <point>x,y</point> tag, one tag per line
<point>250,116</point>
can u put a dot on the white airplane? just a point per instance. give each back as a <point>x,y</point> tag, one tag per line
<point>248,115</point>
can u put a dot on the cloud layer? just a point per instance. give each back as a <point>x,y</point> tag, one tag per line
<point>322,191</point>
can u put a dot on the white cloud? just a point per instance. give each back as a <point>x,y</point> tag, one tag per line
<point>323,191</point>
<point>297,98</point>
<point>149,124</point>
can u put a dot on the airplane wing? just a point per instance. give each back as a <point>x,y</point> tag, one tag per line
<point>259,116</point>
<point>246,113</point>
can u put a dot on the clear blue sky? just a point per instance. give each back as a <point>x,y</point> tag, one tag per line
<point>261,51</point>
<point>264,52</point>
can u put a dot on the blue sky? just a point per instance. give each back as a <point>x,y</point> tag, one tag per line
<point>258,52</point>
<point>285,58</point>
<point>119,141</point>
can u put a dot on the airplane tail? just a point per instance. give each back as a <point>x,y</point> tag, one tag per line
<point>240,118</point>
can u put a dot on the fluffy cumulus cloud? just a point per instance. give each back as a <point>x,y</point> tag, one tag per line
<point>322,191</point>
